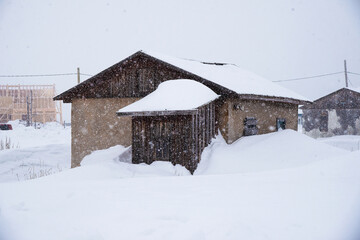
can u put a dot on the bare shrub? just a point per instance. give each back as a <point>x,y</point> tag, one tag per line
<point>7,144</point>
<point>41,172</point>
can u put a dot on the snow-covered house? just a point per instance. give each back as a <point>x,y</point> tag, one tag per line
<point>337,113</point>
<point>247,104</point>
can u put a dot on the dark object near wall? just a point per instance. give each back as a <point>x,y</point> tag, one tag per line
<point>280,123</point>
<point>5,127</point>
<point>250,126</point>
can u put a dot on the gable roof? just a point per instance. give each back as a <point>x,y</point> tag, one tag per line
<point>228,77</point>
<point>357,89</point>
<point>231,77</point>
<point>171,96</point>
<point>316,103</point>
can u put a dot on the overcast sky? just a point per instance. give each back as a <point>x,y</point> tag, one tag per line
<point>276,39</point>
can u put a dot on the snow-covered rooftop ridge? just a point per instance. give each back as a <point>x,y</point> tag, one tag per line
<point>173,95</point>
<point>355,89</point>
<point>230,76</point>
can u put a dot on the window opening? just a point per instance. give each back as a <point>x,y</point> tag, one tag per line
<point>280,123</point>
<point>250,127</point>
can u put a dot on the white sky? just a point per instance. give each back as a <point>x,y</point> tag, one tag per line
<point>277,39</point>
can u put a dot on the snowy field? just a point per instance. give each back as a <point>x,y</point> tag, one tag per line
<point>277,186</point>
<point>34,152</point>
<point>351,143</point>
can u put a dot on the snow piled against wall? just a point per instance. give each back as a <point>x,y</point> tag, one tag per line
<point>277,186</point>
<point>279,150</point>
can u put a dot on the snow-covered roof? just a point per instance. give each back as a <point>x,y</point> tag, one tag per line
<point>231,77</point>
<point>173,95</point>
<point>356,89</point>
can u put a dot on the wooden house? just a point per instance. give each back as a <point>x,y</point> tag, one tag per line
<point>337,113</point>
<point>247,104</point>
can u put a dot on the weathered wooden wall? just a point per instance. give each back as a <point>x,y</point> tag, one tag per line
<point>335,114</point>
<point>341,99</point>
<point>179,139</point>
<point>204,128</point>
<point>134,78</point>
<point>100,101</point>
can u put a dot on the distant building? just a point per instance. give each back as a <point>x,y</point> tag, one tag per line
<point>31,103</point>
<point>337,113</point>
<point>247,104</point>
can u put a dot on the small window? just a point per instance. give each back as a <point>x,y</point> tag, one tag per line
<point>280,123</point>
<point>250,127</point>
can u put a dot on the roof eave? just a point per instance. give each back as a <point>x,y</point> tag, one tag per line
<point>157,113</point>
<point>273,99</point>
<point>313,105</point>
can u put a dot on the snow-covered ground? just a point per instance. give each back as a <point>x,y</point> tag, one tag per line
<point>283,185</point>
<point>34,152</point>
<point>348,142</point>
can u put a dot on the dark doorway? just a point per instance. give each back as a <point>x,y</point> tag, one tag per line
<point>280,123</point>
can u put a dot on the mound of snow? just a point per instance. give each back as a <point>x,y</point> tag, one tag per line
<point>279,150</point>
<point>314,201</point>
<point>348,142</point>
<point>106,164</point>
<point>311,192</point>
<point>170,95</point>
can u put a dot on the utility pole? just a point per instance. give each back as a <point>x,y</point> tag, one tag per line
<point>31,105</point>
<point>27,112</point>
<point>78,75</point>
<point>346,77</point>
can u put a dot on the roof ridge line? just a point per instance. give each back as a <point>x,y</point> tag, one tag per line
<point>194,60</point>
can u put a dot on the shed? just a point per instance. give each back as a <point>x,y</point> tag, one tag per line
<point>174,123</point>
<point>337,113</point>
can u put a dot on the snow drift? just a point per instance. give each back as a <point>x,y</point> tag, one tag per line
<point>276,186</point>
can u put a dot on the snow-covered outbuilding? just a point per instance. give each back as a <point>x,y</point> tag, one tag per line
<point>247,104</point>
<point>337,113</point>
<point>174,123</point>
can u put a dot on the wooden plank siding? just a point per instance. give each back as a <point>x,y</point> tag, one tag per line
<point>139,75</point>
<point>341,99</point>
<point>179,139</point>
<point>337,113</point>
<point>135,77</point>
